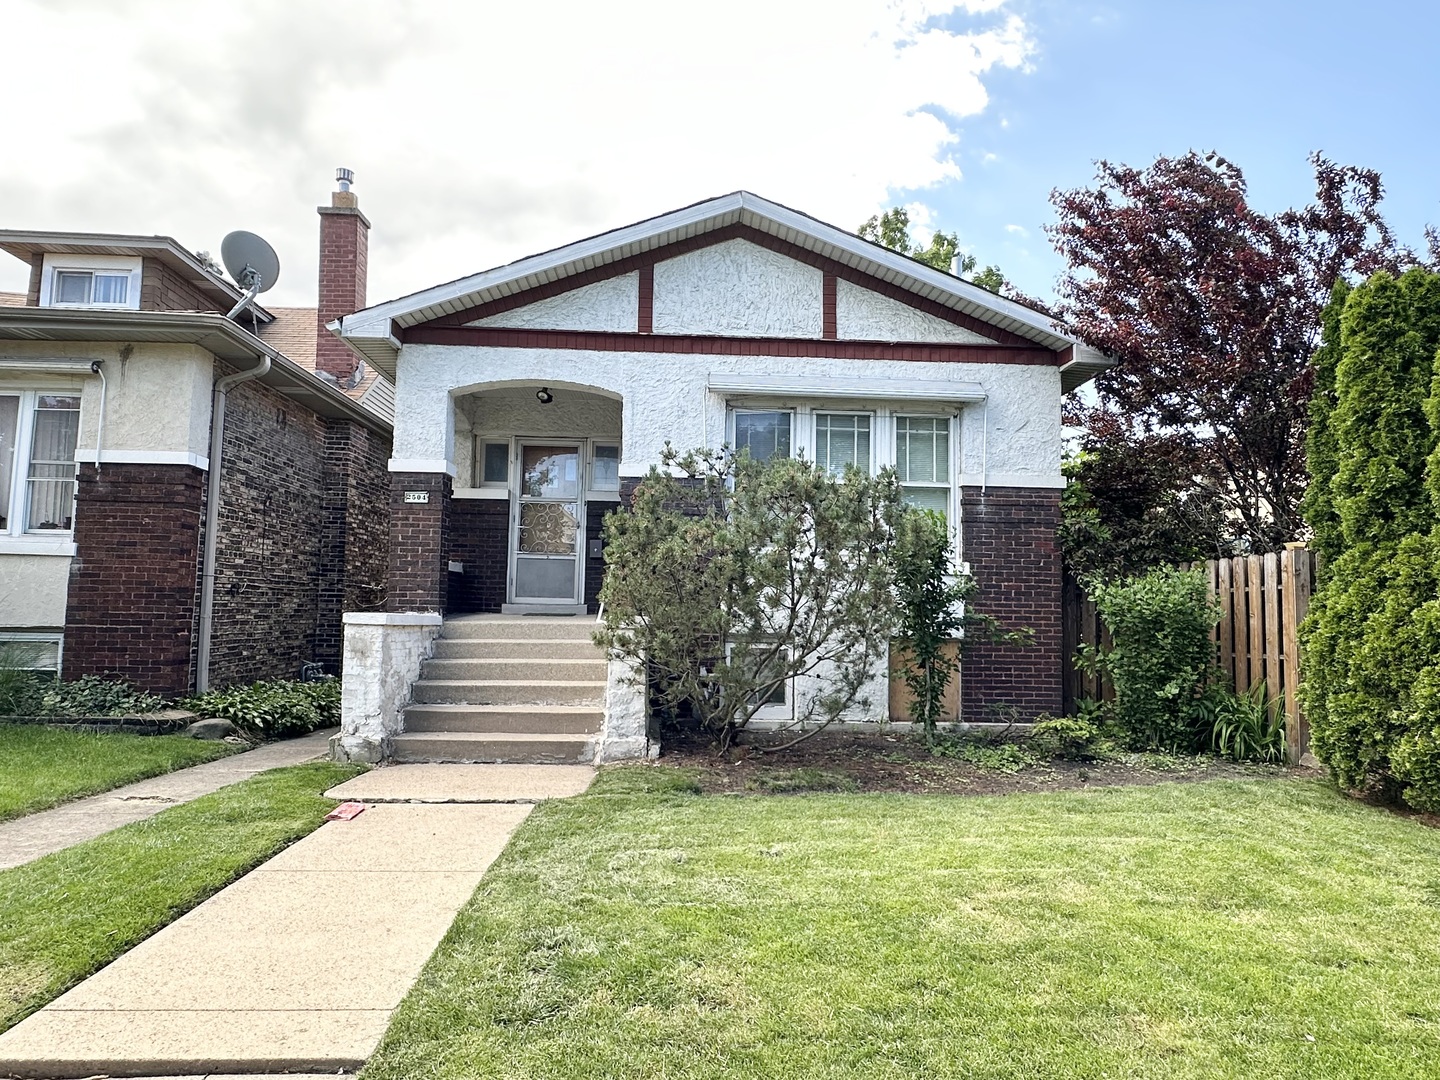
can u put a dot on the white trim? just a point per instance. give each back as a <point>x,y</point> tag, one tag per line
<point>829,387</point>
<point>422,465</point>
<point>1011,480</point>
<point>144,457</point>
<point>391,618</point>
<point>55,365</point>
<point>496,493</point>
<point>35,544</point>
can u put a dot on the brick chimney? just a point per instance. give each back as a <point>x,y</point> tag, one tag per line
<point>344,244</point>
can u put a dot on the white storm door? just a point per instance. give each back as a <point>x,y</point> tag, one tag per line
<point>547,525</point>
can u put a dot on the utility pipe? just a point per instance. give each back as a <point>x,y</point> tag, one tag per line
<point>212,518</point>
<point>98,367</point>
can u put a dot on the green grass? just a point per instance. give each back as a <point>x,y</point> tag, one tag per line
<point>41,767</point>
<point>66,915</point>
<point>1219,929</point>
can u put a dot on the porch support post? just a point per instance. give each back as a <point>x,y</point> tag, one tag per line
<point>419,542</point>
<point>383,653</point>
<point>627,716</point>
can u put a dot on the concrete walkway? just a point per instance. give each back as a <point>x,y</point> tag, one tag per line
<point>297,966</point>
<point>40,834</point>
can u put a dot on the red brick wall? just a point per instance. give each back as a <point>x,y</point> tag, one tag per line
<point>134,588</point>
<point>161,289</point>
<point>355,544</point>
<point>1010,544</point>
<point>479,538</point>
<point>344,253</point>
<point>419,543</point>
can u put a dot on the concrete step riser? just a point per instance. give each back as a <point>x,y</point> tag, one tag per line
<point>481,693</point>
<point>497,750</point>
<point>576,629</point>
<point>516,670</point>
<point>536,722</point>
<point>518,649</point>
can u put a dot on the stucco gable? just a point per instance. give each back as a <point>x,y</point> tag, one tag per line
<point>609,305</point>
<point>737,288</point>
<point>862,314</point>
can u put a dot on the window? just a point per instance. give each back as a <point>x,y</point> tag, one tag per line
<point>38,432</point>
<point>32,652</point>
<point>605,468</point>
<point>764,434</point>
<point>922,460</point>
<point>774,699</point>
<point>841,440</point>
<point>495,464</point>
<point>91,288</point>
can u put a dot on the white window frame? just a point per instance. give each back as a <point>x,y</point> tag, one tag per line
<point>17,528</point>
<point>56,639</point>
<point>593,491</point>
<point>869,414</point>
<point>951,440</point>
<point>778,710</point>
<point>105,264</point>
<point>483,441</point>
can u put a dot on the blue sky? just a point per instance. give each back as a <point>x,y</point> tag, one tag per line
<point>485,131</point>
<point>1264,83</point>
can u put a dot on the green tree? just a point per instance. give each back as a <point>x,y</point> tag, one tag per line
<point>892,230</point>
<point>729,581</point>
<point>1322,460</point>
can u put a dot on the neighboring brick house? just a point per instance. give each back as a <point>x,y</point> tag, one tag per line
<point>530,397</point>
<point>108,398</point>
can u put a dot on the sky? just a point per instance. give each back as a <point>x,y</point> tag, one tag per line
<point>480,132</point>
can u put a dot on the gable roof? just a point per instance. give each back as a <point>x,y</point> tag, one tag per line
<point>373,331</point>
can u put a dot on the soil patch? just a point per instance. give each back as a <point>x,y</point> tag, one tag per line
<point>901,763</point>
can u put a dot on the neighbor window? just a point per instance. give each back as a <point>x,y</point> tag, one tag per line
<point>38,433</point>
<point>31,652</point>
<point>765,434</point>
<point>495,464</point>
<point>922,460</point>
<point>91,287</point>
<point>842,440</point>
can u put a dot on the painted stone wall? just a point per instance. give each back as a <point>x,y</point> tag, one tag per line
<point>737,288</point>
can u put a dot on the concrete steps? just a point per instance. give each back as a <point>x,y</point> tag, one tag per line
<point>507,689</point>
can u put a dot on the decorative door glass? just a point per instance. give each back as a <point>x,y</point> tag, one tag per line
<point>548,527</point>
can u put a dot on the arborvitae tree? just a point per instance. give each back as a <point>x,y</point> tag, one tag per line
<point>1372,639</point>
<point>1321,455</point>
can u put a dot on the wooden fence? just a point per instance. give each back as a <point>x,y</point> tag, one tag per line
<point>1263,598</point>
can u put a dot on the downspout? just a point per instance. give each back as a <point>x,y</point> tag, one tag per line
<point>98,367</point>
<point>212,518</point>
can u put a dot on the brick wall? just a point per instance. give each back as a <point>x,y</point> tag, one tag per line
<point>133,588</point>
<point>270,540</point>
<point>419,543</point>
<point>355,545</point>
<point>479,538</point>
<point>1010,544</point>
<point>161,289</point>
<point>344,255</point>
<point>595,564</point>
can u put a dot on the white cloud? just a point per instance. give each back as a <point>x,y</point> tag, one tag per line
<point>478,132</point>
<point>1017,230</point>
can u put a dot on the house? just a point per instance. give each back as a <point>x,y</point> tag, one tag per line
<point>186,499</point>
<point>529,400</point>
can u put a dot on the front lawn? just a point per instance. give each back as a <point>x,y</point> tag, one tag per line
<point>67,915</point>
<point>1253,928</point>
<point>41,767</point>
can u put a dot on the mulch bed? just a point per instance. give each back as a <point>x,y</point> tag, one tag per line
<point>901,763</point>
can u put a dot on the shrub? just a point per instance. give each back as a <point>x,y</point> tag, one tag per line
<point>1068,737</point>
<point>274,709</point>
<point>1161,659</point>
<point>96,695</point>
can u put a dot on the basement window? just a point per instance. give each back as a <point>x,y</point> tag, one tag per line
<point>39,653</point>
<point>38,432</point>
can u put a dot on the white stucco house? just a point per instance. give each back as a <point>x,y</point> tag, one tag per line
<point>531,397</point>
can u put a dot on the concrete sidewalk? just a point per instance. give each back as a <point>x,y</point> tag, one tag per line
<point>35,835</point>
<point>297,966</point>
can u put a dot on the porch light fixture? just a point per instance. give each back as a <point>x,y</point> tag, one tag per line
<point>544,396</point>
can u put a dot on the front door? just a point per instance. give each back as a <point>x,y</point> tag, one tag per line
<point>547,527</point>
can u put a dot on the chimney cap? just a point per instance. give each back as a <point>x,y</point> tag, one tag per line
<point>344,177</point>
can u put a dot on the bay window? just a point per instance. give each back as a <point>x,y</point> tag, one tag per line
<point>38,433</point>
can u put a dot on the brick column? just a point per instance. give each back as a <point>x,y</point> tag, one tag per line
<point>133,588</point>
<point>1011,547</point>
<point>419,543</point>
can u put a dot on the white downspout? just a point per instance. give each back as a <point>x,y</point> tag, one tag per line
<point>98,367</point>
<point>212,518</point>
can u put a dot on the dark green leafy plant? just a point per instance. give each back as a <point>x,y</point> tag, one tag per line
<point>273,709</point>
<point>97,695</point>
<point>1162,657</point>
<point>1067,737</point>
<point>1247,727</point>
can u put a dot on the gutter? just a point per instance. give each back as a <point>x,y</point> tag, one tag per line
<point>212,518</point>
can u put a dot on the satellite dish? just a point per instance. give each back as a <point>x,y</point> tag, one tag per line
<point>250,261</point>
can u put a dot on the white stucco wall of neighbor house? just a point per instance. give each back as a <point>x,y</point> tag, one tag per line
<point>737,288</point>
<point>863,314</point>
<point>1013,437</point>
<point>609,305</point>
